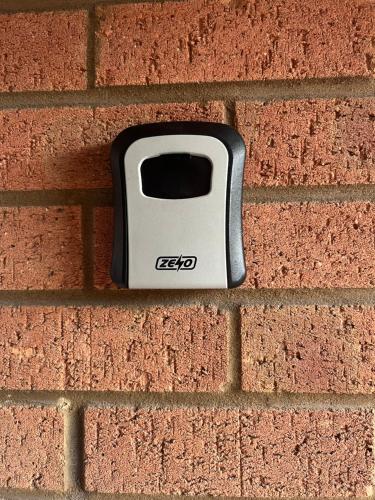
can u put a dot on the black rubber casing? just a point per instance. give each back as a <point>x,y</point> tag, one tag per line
<point>236,271</point>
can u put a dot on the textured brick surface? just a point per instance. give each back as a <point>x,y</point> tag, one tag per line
<point>31,448</point>
<point>209,40</point>
<point>170,349</point>
<point>43,51</point>
<point>103,237</point>
<point>311,245</point>
<point>66,148</point>
<point>180,451</point>
<point>40,248</point>
<point>321,454</point>
<point>308,349</point>
<point>308,142</point>
<point>227,452</point>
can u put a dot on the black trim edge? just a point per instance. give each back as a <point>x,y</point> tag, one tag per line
<point>236,270</point>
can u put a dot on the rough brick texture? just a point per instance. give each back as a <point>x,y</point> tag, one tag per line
<point>31,448</point>
<point>170,349</point>
<point>103,236</point>
<point>315,349</point>
<point>308,142</point>
<point>40,248</point>
<point>68,148</point>
<point>321,454</point>
<point>211,40</point>
<point>310,245</point>
<point>228,452</point>
<point>43,51</point>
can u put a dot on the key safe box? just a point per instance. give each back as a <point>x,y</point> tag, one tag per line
<point>178,204</point>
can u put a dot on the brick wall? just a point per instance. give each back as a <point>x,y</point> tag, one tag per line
<point>263,391</point>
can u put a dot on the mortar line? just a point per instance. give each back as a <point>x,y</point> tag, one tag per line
<point>136,496</point>
<point>223,299</point>
<point>23,6</point>
<point>89,197</point>
<point>257,195</point>
<point>170,400</point>
<point>88,246</point>
<point>73,448</point>
<point>314,193</point>
<point>19,494</point>
<point>280,90</point>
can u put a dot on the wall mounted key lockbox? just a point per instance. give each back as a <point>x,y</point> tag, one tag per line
<point>178,201</point>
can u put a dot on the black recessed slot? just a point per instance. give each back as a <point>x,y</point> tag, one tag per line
<point>176,176</point>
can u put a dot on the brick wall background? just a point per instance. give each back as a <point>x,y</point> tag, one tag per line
<point>263,391</point>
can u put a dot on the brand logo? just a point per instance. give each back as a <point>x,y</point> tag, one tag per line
<point>181,263</point>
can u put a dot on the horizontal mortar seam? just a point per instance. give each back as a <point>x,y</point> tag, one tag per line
<point>278,90</point>
<point>170,400</point>
<point>18,494</point>
<point>224,299</point>
<point>39,6</point>
<point>102,197</point>
<point>51,197</point>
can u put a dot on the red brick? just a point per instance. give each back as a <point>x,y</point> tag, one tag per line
<point>31,448</point>
<point>190,451</point>
<point>310,245</point>
<point>159,349</point>
<point>310,349</point>
<point>306,453</point>
<point>40,248</point>
<point>181,451</point>
<point>68,148</point>
<point>210,40</point>
<point>103,237</point>
<point>43,51</point>
<point>308,142</point>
